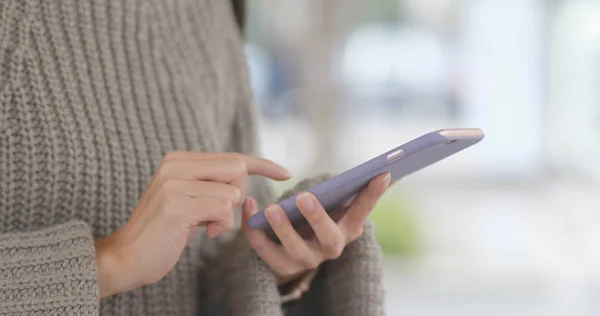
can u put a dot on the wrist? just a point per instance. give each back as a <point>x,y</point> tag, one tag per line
<point>113,277</point>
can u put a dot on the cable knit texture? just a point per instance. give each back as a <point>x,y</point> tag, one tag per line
<point>348,286</point>
<point>93,93</point>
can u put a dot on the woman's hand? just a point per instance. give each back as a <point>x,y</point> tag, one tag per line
<point>296,256</point>
<point>188,190</point>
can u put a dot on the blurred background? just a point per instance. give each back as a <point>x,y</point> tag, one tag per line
<point>508,227</point>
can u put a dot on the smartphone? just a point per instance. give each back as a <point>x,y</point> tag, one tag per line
<point>399,162</point>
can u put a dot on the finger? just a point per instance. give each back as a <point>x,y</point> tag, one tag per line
<point>253,165</point>
<point>260,166</point>
<point>215,213</point>
<point>329,235</point>
<point>293,244</point>
<point>192,188</point>
<point>271,253</point>
<point>349,201</point>
<point>231,192</point>
<point>363,205</point>
<point>213,230</point>
<point>225,170</point>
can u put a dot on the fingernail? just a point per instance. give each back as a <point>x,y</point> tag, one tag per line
<point>273,214</point>
<point>297,294</point>
<point>385,183</point>
<point>211,232</point>
<point>286,172</point>
<point>240,198</point>
<point>306,202</point>
<point>246,206</point>
<point>250,206</point>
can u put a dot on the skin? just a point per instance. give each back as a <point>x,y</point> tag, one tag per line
<point>189,190</point>
<point>296,255</point>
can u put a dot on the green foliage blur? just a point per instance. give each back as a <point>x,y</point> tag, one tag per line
<point>395,227</point>
<point>372,11</point>
<point>380,11</point>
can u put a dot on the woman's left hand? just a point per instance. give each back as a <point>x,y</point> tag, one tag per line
<point>296,256</point>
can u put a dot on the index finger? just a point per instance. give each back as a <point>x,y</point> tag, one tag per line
<point>246,165</point>
<point>363,204</point>
<point>264,167</point>
<point>271,253</point>
<point>253,165</point>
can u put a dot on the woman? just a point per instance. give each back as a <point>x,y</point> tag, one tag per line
<point>118,126</point>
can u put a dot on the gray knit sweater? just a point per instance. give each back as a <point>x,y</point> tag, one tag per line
<point>92,94</point>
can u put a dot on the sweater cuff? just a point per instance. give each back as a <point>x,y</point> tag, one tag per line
<point>353,282</point>
<point>51,271</point>
<point>238,283</point>
<point>350,285</point>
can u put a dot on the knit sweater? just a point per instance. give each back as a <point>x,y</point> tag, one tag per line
<point>93,93</point>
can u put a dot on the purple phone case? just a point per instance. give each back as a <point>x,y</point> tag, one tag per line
<point>417,154</point>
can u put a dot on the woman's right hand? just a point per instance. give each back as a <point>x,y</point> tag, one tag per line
<point>188,190</point>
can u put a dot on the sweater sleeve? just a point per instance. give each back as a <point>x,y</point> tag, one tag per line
<point>49,272</point>
<point>348,286</point>
<point>236,282</point>
<point>239,283</point>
